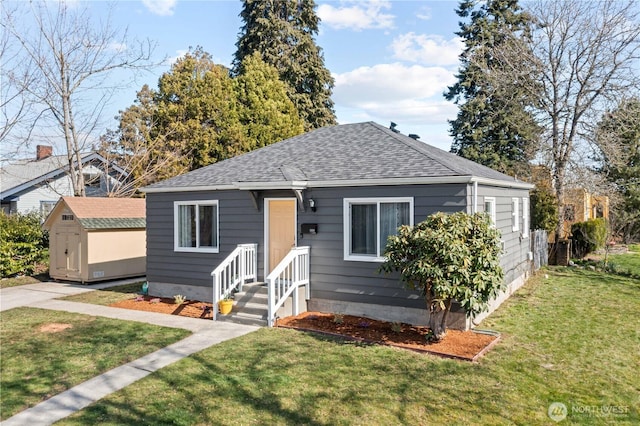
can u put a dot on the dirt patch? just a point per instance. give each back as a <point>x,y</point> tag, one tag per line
<point>467,345</point>
<point>54,327</point>
<point>193,309</point>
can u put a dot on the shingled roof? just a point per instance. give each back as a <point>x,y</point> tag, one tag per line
<point>16,176</point>
<point>105,213</point>
<point>343,155</point>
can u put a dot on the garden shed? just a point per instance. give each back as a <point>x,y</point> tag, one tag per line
<point>95,239</point>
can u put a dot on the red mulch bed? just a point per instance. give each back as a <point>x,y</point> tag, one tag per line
<point>166,305</point>
<point>465,345</point>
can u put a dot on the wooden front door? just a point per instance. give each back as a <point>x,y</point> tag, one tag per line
<point>281,230</point>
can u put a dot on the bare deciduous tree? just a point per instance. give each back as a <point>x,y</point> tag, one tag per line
<point>14,105</point>
<point>69,59</point>
<point>587,55</point>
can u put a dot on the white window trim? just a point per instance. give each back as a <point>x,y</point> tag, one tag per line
<point>515,214</point>
<point>526,227</point>
<point>196,203</point>
<point>347,202</point>
<point>492,214</point>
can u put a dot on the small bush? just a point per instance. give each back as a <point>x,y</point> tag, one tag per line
<point>23,244</point>
<point>588,236</point>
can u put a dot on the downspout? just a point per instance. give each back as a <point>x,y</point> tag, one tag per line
<point>474,209</point>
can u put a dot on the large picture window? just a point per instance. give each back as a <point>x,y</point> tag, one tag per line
<point>196,226</point>
<point>369,221</point>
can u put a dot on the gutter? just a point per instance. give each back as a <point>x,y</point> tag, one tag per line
<point>297,185</point>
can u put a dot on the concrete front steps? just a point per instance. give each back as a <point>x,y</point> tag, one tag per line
<point>250,306</point>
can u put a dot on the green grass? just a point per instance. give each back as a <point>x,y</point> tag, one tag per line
<point>572,338</point>
<point>23,280</point>
<point>628,263</point>
<point>107,296</point>
<point>36,365</point>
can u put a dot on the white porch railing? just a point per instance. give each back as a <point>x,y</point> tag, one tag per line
<point>290,274</point>
<point>239,266</point>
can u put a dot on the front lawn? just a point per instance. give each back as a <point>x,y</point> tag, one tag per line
<point>572,338</point>
<point>24,279</point>
<point>45,352</point>
<point>628,263</point>
<point>107,296</point>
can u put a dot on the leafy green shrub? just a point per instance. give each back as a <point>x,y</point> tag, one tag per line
<point>544,209</point>
<point>447,258</point>
<point>23,244</point>
<point>588,236</point>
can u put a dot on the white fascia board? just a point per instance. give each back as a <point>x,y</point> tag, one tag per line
<point>150,190</point>
<point>390,181</point>
<point>504,183</point>
<point>261,186</point>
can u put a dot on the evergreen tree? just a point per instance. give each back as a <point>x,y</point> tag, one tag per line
<point>284,31</point>
<point>494,125</point>
<point>197,111</point>
<point>266,112</point>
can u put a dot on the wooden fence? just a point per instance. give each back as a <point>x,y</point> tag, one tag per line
<point>539,248</point>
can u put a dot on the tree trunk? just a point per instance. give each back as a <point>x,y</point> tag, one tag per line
<point>438,319</point>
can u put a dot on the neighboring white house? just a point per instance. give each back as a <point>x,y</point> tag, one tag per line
<point>37,184</point>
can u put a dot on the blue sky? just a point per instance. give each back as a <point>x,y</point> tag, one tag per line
<point>391,60</point>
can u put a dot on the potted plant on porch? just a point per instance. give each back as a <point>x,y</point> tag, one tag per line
<point>225,305</point>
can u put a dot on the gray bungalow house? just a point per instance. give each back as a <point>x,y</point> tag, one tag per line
<point>307,219</point>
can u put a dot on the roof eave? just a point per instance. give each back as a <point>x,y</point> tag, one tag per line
<point>55,173</point>
<point>152,190</point>
<point>516,184</point>
<point>262,186</point>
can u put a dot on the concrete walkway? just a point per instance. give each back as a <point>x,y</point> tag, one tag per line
<point>206,334</point>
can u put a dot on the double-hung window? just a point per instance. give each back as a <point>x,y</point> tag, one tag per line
<point>490,209</point>
<point>525,217</point>
<point>369,221</point>
<point>515,215</point>
<point>196,226</point>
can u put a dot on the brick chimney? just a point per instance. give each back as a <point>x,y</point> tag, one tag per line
<point>43,151</point>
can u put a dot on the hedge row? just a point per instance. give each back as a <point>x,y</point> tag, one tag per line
<point>23,244</point>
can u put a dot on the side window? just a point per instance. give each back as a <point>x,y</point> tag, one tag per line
<point>490,208</point>
<point>525,217</point>
<point>515,214</point>
<point>369,222</point>
<point>196,226</point>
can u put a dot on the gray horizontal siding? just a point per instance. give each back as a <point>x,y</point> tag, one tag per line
<point>240,223</point>
<point>332,277</point>
<point>514,259</point>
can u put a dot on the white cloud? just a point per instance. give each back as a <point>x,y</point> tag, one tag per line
<point>160,7</point>
<point>410,95</point>
<point>385,82</point>
<point>356,16</point>
<point>427,49</point>
<point>424,13</point>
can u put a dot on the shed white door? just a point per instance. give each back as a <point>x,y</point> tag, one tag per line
<point>68,253</point>
<point>281,230</point>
